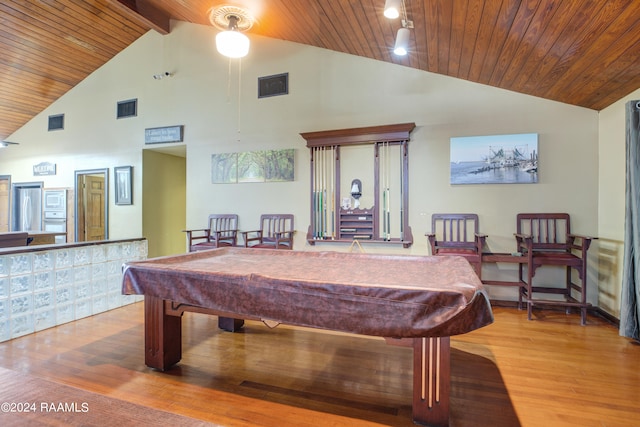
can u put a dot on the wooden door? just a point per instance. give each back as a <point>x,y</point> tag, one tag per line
<point>4,204</point>
<point>94,213</point>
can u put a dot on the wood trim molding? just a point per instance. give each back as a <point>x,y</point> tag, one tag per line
<point>145,13</point>
<point>363,135</point>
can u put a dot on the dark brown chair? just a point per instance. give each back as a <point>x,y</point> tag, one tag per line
<point>457,234</point>
<point>546,240</point>
<point>276,232</point>
<point>222,231</point>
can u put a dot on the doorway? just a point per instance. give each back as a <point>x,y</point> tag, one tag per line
<point>26,210</point>
<point>91,206</point>
<point>164,200</point>
<point>5,185</point>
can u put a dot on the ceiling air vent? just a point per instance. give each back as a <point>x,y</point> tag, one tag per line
<point>56,122</point>
<point>127,108</point>
<point>273,85</point>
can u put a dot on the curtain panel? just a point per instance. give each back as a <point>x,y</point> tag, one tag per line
<point>629,308</point>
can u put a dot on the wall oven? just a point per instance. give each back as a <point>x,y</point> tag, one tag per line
<point>54,211</point>
<point>55,200</point>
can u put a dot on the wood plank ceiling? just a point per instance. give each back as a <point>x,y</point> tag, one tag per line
<point>585,53</point>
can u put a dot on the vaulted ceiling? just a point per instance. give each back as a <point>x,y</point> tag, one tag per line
<point>585,53</point>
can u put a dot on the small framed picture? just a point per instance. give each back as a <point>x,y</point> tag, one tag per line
<point>123,186</point>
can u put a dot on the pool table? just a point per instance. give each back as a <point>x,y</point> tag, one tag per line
<point>416,301</point>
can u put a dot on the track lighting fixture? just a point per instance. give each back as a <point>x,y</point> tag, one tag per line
<point>402,42</point>
<point>392,9</point>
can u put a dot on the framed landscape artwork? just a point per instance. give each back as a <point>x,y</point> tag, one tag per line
<point>494,159</point>
<point>253,166</point>
<point>224,168</point>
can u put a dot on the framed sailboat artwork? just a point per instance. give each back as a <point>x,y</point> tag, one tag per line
<point>494,159</point>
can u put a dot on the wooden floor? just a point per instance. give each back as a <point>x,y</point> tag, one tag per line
<point>547,372</point>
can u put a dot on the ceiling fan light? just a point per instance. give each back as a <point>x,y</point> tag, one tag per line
<point>402,42</point>
<point>232,44</point>
<point>392,9</point>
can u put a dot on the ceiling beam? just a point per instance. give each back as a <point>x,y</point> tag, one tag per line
<point>145,13</point>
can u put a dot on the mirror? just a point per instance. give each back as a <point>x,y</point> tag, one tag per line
<point>91,205</point>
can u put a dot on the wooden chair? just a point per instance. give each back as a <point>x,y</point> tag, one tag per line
<point>222,231</point>
<point>457,234</point>
<point>276,232</point>
<point>546,240</point>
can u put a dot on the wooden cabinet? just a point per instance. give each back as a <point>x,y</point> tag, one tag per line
<point>356,224</point>
<point>388,183</point>
<point>44,237</point>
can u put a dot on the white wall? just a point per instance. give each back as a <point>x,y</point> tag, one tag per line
<point>327,90</point>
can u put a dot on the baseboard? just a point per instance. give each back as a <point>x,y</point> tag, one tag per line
<point>594,311</point>
<point>505,303</point>
<point>597,311</point>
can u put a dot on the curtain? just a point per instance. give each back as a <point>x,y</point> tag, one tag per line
<point>629,307</point>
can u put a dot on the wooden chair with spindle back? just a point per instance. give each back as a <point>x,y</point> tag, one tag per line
<point>457,234</point>
<point>546,240</point>
<point>222,231</point>
<point>276,232</point>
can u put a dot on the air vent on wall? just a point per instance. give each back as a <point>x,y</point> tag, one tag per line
<point>273,85</point>
<point>127,108</point>
<point>56,122</point>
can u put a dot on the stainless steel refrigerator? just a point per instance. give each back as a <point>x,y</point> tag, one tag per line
<point>26,212</point>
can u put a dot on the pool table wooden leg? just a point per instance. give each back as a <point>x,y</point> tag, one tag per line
<point>431,381</point>
<point>162,335</point>
<point>230,324</point>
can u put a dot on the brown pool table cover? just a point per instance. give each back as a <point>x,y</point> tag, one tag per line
<point>379,295</point>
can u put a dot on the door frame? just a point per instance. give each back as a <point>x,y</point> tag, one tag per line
<point>8,179</point>
<point>77,175</point>
<point>15,187</point>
